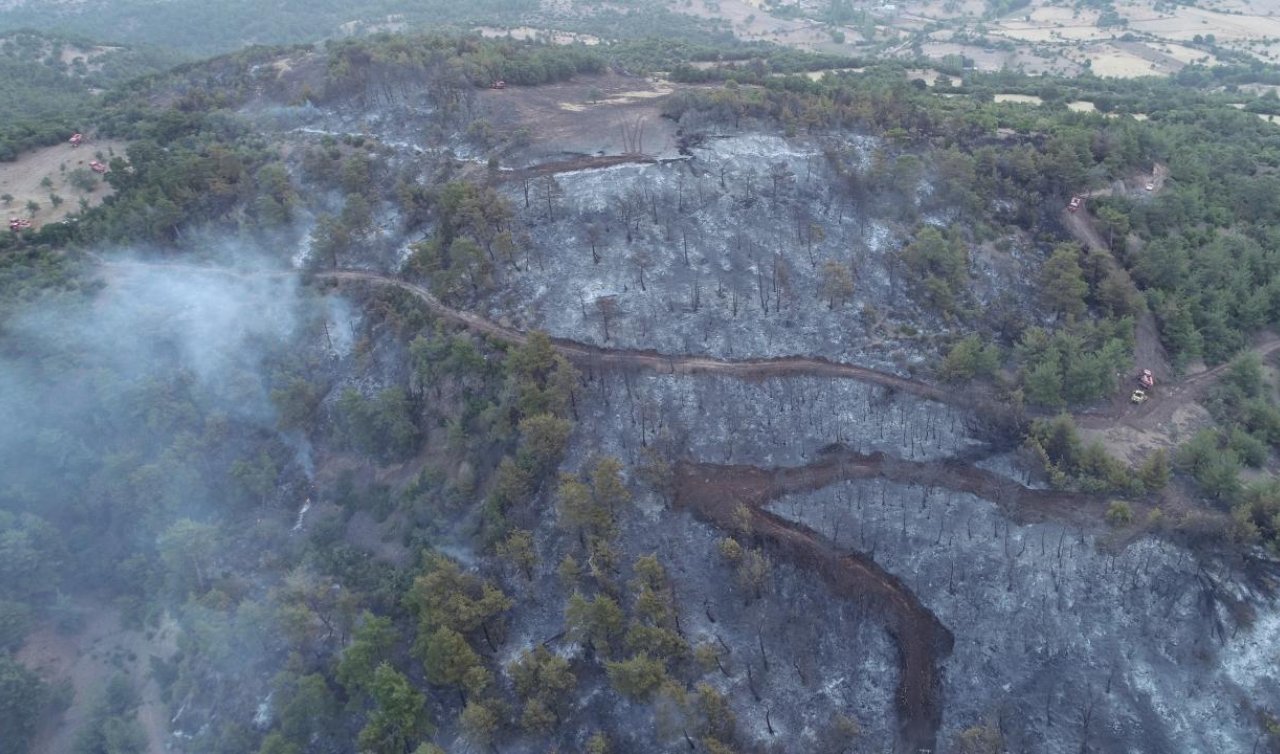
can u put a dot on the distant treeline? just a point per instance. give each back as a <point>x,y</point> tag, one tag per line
<point>43,98</point>
<point>203,29</point>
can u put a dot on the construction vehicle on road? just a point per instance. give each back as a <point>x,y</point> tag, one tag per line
<point>1146,381</point>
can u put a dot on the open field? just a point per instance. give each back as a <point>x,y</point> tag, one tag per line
<point>89,56</point>
<point>1165,39</point>
<point>1048,23</point>
<point>752,22</point>
<point>590,115</point>
<point>38,174</point>
<point>1111,61</point>
<point>1141,37</point>
<point>932,77</point>
<point>817,75</point>
<point>1184,23</point>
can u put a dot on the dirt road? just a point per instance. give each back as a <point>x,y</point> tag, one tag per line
<point>589,355</point>
<point>1159,174</point>
<point>1149,352</point>
<point>713,492</point>
<point>578,163</point>
<point>1167,398</point>
<point>652,360</point>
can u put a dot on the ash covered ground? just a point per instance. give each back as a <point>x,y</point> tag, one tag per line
<point>1065,640</point>
<point>724,254</point>
<point>1064,637</point>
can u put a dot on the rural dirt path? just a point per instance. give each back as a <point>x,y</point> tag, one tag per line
<point>1149,353</point>
<point>713,492</point>
<point>1168,398</point>
<point>578,163</point>
<point>652,360</point>
<point>590,355</point>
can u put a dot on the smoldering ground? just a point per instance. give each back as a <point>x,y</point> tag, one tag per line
<point>140,412</point>
<point>86,366</point>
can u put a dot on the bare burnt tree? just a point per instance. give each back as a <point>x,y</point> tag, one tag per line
<point>748,183</point>
<point>1086,717</point>
<point>641,260</point>
<point>526,185</point>
<point>551,193</point>
<point>763,286</point>
<point>607,306</point>
<point>629,205</point>
<point>649,199</point>
<point>595,237</point>
<point>782,288</point>
<point>808,231</point>
<point>779,175</point>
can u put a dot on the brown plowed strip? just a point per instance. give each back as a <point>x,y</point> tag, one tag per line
<point>582,353</point>
<point>713,492</point>
<point>652,360</point>
<point>757,487</point>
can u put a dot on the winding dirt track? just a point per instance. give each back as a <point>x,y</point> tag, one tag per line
<point>756,487</point>
<point>713,492</point>
<point>652,360</point>
<point>1167,398</point>
<point>752,369</point>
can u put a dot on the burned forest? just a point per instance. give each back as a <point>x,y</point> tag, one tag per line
<point>406,393</point>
